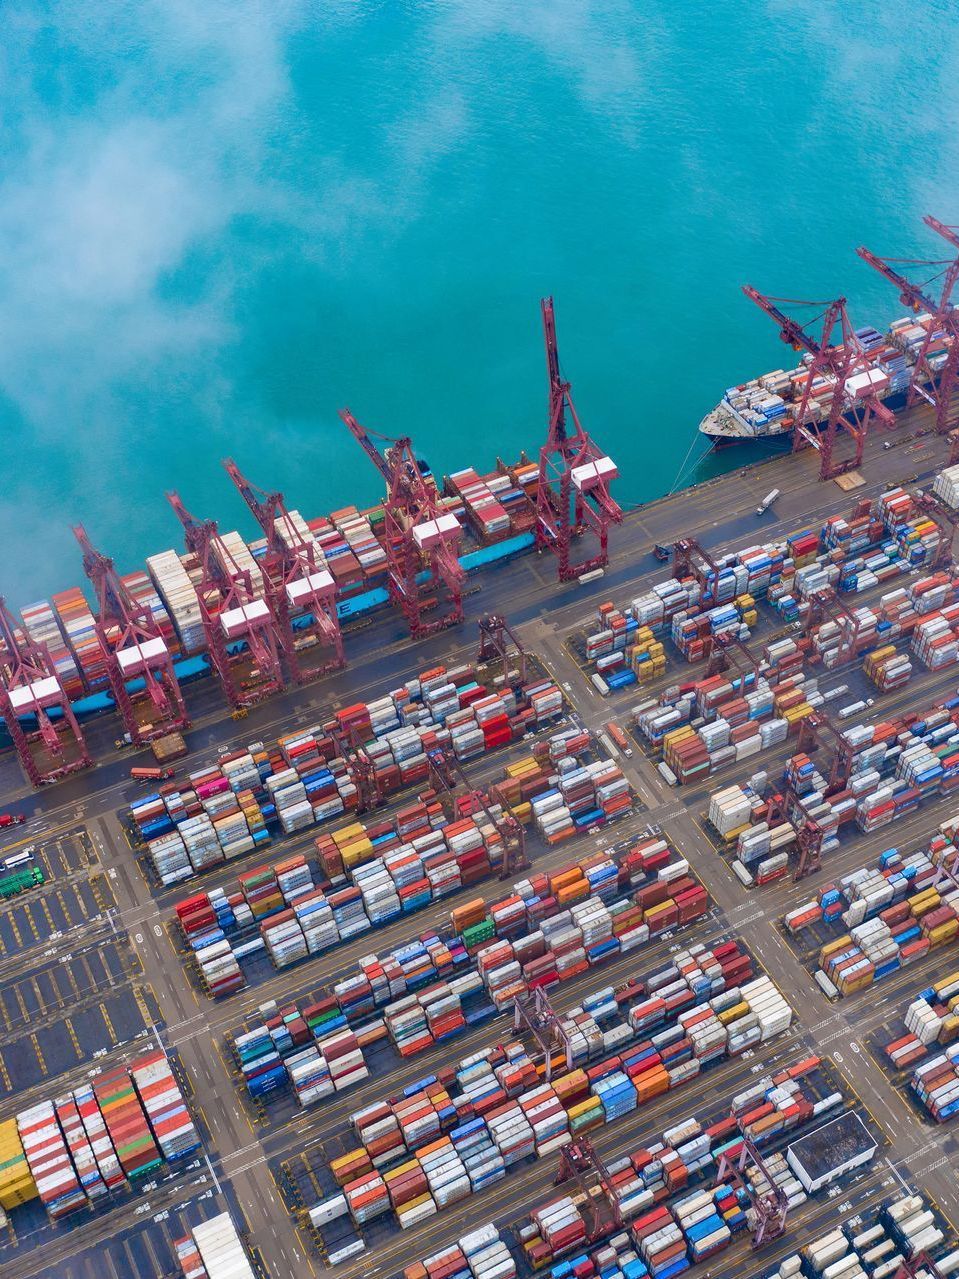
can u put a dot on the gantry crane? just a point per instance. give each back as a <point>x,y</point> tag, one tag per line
<point>137,652</point>
<point>934,385</point>
<point>691,560</point>
<point>726,648</point>
<point>369,783</point>
<point>495,636</point>
<point>825,604</point>
<point>422,539</point>
<point>770,1206</point>
<point>532,1009</point>
<point>946,521</point>
<point>920,1266</point>
<point>300,589</point>
<point>30,687</point>
<point>844,753</point>
<point>854,380</point>
<point>785,805</point>
<point>447,773</point>
<point>580,1162</point>
<point>239,627</point>
<point>572,495</point>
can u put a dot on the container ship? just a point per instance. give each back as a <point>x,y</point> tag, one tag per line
<point>764,410</point>
<point>496,513</point>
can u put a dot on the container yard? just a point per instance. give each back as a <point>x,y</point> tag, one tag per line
<point>497,881</point>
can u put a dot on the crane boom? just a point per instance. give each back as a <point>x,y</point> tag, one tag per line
<point>365,439</point>
<point>422,538</point>
<point>240,629</point>
<point>30,689</point>
<point>138,652</point>
<point>933,379</point>
<point>572,494</point>
<point>300,589</point>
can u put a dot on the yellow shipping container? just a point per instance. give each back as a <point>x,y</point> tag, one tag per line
<point>939,986</point>
<point>832,947</point>
<point>521,767</point>
<point>944,932</point>
<point>584,1107</point>
<point>734,1013</point>
<point>351,1157</point>
<point>404,1209</point>
<point>16,1182</point>
<point>923,902</point>
<point>352,854</point>
<point>732,836</point>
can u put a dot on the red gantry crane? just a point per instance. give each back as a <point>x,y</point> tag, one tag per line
<point>422,539</point>
<point>233,614</point>
<point>447,774</point>
<point>301,589</point>
<point>933,379</point>
<point>137,652</point>
<point>572,495</point>
<point>495,636</point>
<point>855,380</point>
<point>30,688</point>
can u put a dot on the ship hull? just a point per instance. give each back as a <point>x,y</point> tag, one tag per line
<point>723,431</point>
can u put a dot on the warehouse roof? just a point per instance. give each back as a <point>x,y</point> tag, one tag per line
<point>830,1147</point>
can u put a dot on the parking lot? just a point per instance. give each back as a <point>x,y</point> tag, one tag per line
<point>135,1239</point>
<point>73,989</point>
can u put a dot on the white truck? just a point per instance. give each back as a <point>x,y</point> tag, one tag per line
<point>767,502</point>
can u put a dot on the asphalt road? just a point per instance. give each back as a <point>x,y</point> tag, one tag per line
<point>722,515</point>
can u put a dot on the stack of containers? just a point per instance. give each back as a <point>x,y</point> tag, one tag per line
<point>368,1198</point>
<point>126,1123</point>
<point>99,1138</point>
<point>165,1108</point>
<point>899,934</point>
<point>178,594</point>
<point>932,1018</point>
<point>49,1160</point>
<point>81,1151</point>
<point>935,640</point>
<point>887,668</point>
<point>732,810</point>
<point>913,1226</point>
<point>231,549</point>
<point>16,1181</point>
<point>560,1224</point>
<point>213,1250</point>
<point>145,594</point>
<point>584,796</point>
<point>79,629</point>
<point>482,1254</point>
<point>41,625</point>
<point>936,1084</point>
<point>946,486</point>
<point>705,1230</point>
<point>485,512</point>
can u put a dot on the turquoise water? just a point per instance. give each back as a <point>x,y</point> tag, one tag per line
<point>221,221</point>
